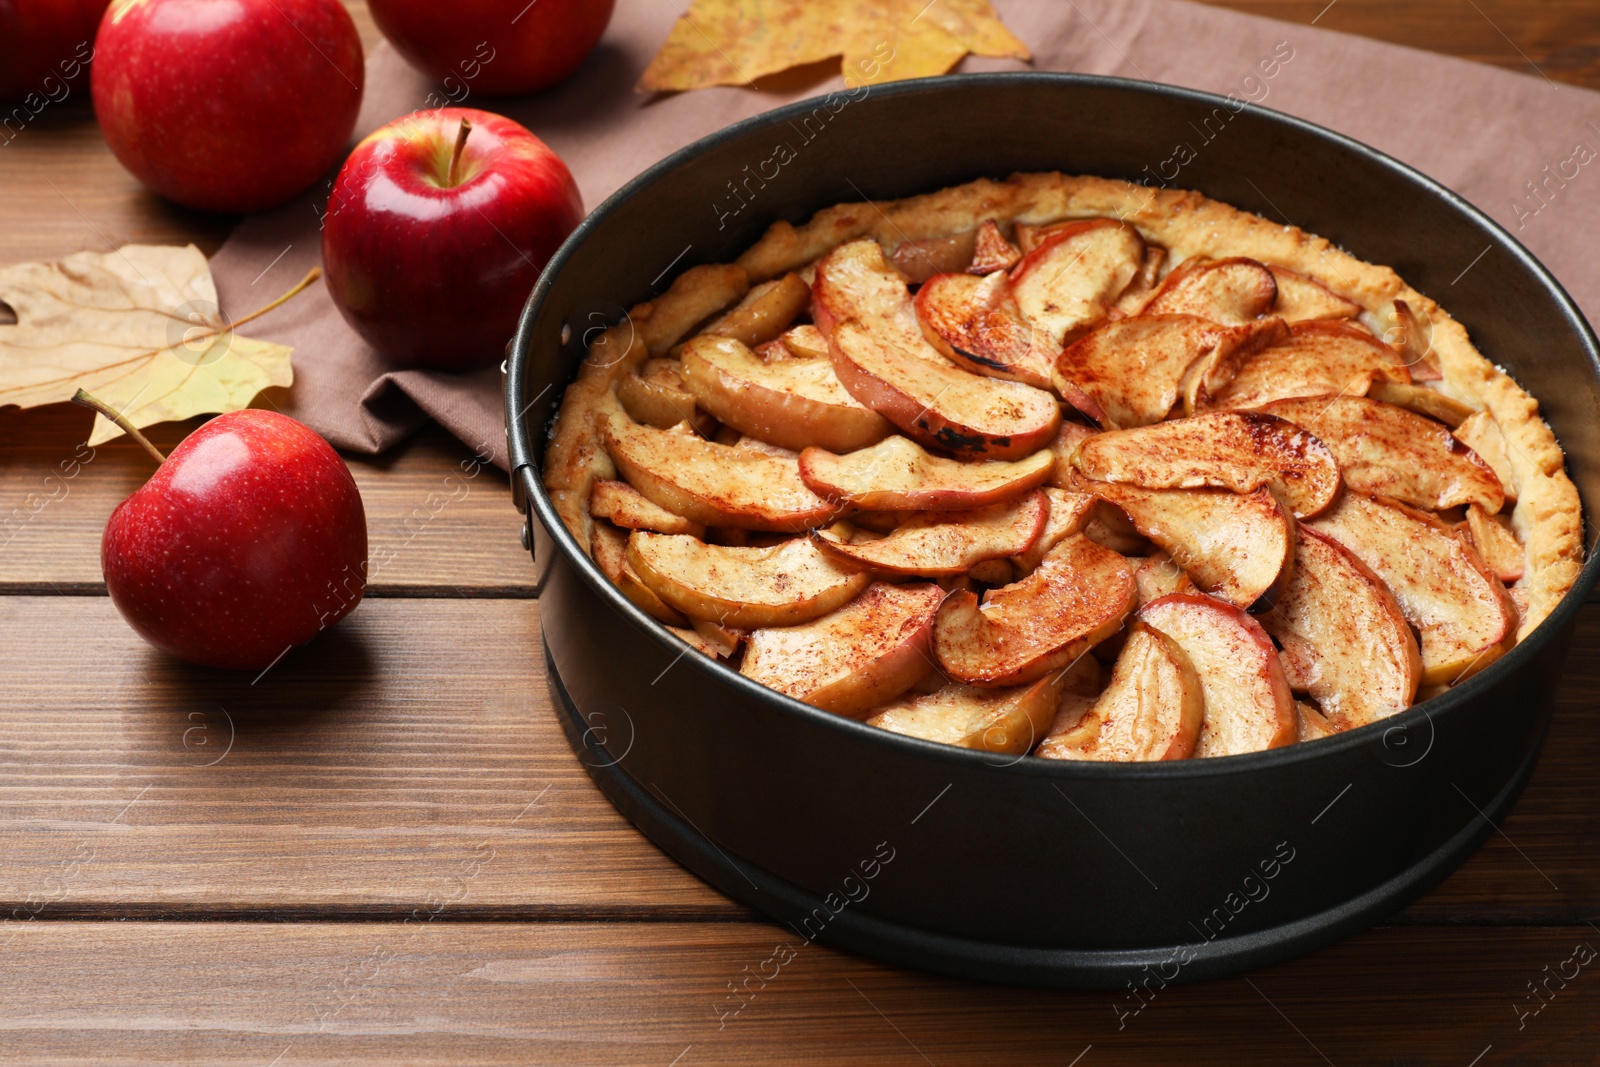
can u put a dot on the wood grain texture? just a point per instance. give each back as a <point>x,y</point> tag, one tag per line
<point>661,994</point>
<point>439,522</point>
<point>1558,39</point>
<point>359,775</point>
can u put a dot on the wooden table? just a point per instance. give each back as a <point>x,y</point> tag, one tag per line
<point>385,852</point>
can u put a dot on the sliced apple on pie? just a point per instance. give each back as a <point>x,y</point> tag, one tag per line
<point>1302,297</point>
<point>713,484</point>
<point>1076,598</point>
<point>1133,369</point>
<point>1068,513</point>
<point>898,374</point>
<point>1318,358</point>
<point>1481,433</point>
<point>942,544</point>
<point>625,506</point>
<point>1492,537</point>
<point>1248,705</point>
<point>976,324</point>
<point>1067,284</point>
<point>1237,546</point>
<point>1345,641</point>
<point>1241,451</point>
<point>991,251</point>
<point>780,585</point>
<point>1389,451</point>
<point>1231,291</point>
<point>855,658</point>
<point>657,396</point>
<point>1007,722</point>
<point>1152,709</point>
<point>1422,400</point>
<point>791,403</point>
<point>1463,614</point>
<point>608,547</point>
<point>1158,576</point>
<point>897,475</point>
<point>764,313</point>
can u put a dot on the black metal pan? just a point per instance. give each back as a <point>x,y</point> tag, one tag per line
<point>1016,869</point>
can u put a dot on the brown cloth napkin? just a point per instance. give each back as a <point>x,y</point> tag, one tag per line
<point>1521,147</point>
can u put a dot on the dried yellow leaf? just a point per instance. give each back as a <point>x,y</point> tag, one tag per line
<point>736,42</point>
<point>139,328</point>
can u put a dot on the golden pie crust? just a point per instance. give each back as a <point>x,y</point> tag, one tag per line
<point>1547,517</point>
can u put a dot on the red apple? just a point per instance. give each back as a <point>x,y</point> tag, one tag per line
<point>44,45</point>
<point>227,105</point>
<point>249,539</point>
<point>493,47</point>
<point>438,226</point>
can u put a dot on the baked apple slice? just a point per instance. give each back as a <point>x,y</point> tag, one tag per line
<point>1209,375</point>
<point>1068,438</point>
<point>1076,598</point>
<point>1242,451</point>
<point>1152,710</point>
<point>1495,542</point>
<point>975,323</point>
<point>1066,284</point>
<point>608,547</point>
<point>713,484</point>
<point>922,259</point>
<point>1158,576</point>
<point>656,396</point>
<point>1313,724</point>
<point>1007,722</point>
<point>791,403</point>
<point>1463,614</point>
<point>1319,358</point>
<point>991,251</point>
<point>625,506</point>
<point>1345,641</point>
<point>1302,297</point>
<point>941,544</point>
<point>1230,291</point>
<point>939,404</point>
<point>1483,435</point>
<point>1412,334</point>
<point>851,660</point>
<point>1133,368</point>
<point>1237,546</point>
<point>1069,513</point>
<point>1389,451</point>
<point>804,341</point>
<point>897,475</point>
<point>764,313</point>
<point>1423,401</point>
<point>1248,705</point>
<point>781,585</point>
<point>855,283</point>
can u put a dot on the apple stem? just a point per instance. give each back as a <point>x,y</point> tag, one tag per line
<point>84,399</point>
<point>455,157</point>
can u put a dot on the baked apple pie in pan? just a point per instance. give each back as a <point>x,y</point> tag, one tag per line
<point>1068,467</point>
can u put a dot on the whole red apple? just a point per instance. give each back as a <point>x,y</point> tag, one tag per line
<point>227,105</point>
<point>44,46</point>
<point>493,47</point>
<point>437,228</point>
<point>249,539</point>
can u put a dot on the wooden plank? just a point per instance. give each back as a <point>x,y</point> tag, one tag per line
<point>365,769</point>
<point>439,522</point>
<point>660,994</point>
<point>1557,38</point>
<point>361,773</point>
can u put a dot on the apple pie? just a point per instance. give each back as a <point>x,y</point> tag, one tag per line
<point>1068,467</point>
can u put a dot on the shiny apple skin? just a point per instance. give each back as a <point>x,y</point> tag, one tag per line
<point>493,47</point>
<point>227,105</point>
<point>250,539</point>
<point>435,276</point>
<point>42,40</point>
